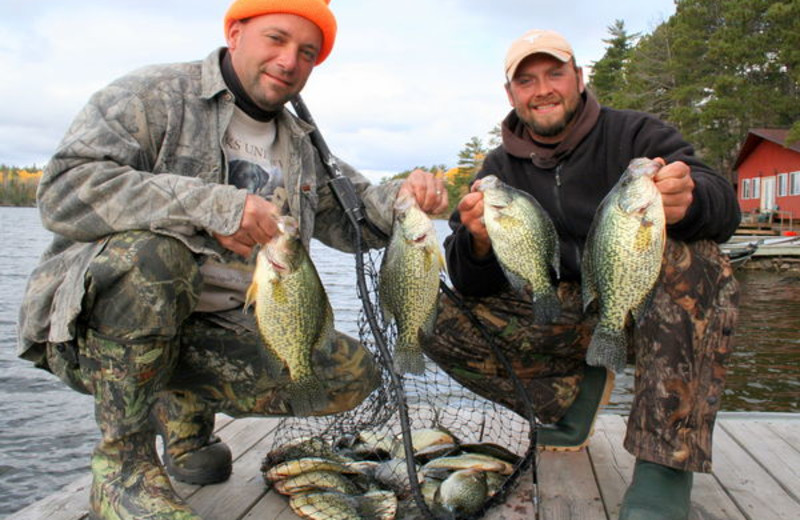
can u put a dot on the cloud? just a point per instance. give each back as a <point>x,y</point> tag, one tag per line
<point>408,83</point>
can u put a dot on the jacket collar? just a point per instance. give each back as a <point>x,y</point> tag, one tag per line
<point>213,85</point>
<point>518,142</point>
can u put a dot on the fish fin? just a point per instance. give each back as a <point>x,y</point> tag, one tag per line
<point>306,397</point>
<point>638,311</point>
<point>546,308</point>
<point>588,286</point>
<point>608,348</point>
<point>442,262</point>
<point>426,331</point>
<point>250,295</point>
<point>378,504</point>
<point>409,360</point>
<point>517,282</point>
<point>555,263</point>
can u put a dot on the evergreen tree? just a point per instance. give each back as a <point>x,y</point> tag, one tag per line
<point>471,157</point>
<point>608,80</point>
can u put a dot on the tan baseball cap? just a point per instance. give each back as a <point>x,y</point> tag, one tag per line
<point>533,42</point>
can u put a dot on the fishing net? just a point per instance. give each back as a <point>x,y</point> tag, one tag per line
<point>419,446</point>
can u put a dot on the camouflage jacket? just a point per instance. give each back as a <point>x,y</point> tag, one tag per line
<point>145,154</point>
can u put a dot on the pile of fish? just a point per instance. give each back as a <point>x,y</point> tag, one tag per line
<point>366,475</point>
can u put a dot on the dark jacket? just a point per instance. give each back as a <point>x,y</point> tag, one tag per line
<point>571,180</point>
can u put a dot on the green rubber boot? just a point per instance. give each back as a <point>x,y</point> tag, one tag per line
<point>129,482</point>
<point>192,453</point>
<point>657,493</point>
<point>573,430</point>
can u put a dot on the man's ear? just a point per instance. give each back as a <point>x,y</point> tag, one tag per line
<point>232,34</point>
<point>508,93</point>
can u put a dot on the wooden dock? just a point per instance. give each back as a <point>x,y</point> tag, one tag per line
<point>756,477</point>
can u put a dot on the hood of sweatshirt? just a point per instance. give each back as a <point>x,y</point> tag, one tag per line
<point>518,142</point>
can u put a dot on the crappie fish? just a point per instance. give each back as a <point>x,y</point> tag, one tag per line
<point>330,505</point>
<point>320,480</point>
<point>294,467</point>
<point>292,310</point>
<point>475,461</point>
<point>525,242</point>
<point>463,493</point>
<point>298,448</point>
<point>622,259</point>
<point>409,282</point>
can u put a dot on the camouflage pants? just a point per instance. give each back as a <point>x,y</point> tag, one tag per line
<point>142,288</point>
<point>679,348</point>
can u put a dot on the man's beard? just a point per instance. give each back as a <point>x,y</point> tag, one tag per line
<point>555,129</point>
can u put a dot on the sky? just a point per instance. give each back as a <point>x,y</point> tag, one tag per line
<point>409,82</point>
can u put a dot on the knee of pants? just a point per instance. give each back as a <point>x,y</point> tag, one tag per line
<point>348,371</point>
<point>142,285</point>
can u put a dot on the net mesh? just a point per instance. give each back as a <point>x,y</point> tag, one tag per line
<point>373,441</point>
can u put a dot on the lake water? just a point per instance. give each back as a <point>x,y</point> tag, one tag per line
<point>47,432</point>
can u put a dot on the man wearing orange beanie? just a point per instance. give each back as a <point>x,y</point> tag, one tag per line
<point>156,197</point>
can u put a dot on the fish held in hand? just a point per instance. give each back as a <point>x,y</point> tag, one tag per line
<point>525,241</point>
<point>409,282</point>
<point>292,311</point>
<point>622,259</point>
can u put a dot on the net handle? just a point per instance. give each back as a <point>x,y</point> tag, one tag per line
<point>348,199</point>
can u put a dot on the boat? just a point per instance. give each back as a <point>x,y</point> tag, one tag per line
<point>742,248</point>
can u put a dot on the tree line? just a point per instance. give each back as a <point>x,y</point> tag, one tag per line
<point>715,69</point>
<point>18,185</point>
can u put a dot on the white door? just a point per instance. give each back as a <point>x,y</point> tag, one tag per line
<point>768,194</point>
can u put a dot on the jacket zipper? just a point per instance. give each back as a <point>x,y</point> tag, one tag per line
<point>574,249</point>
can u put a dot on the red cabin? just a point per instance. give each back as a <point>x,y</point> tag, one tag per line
<point>768,174</point>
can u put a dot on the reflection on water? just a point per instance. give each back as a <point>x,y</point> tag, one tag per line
<point>764,373</point>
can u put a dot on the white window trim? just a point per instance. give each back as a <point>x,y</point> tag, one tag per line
<point>783,184</point>
<point>794,183</point>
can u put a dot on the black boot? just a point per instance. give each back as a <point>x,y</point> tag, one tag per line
<point>572,431</point>
<point>192,453</point>
<point>657,493</point>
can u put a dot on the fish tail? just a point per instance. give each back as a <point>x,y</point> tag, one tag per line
<point>409,360</point>
<point>306,396</point>
<point>378,504</point>
<point>608,348</point>
<point>546,309</point>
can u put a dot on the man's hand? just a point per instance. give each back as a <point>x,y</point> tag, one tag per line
<point>427,189</point>
<point>471,211</point>
<point>259,224</point>
<point>674,181</point>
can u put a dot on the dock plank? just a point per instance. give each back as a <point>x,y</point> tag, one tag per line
<point>613,466</point>
<point>568,489</point>
<point>70,503</point>
<point>778,457</point>
<point>755,477</point>
<point>756,493</point>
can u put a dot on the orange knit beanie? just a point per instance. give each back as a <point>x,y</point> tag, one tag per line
<point>316,11</point>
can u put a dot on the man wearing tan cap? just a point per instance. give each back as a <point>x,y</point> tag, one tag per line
<point>156,196</point>
<point>563,148</point>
